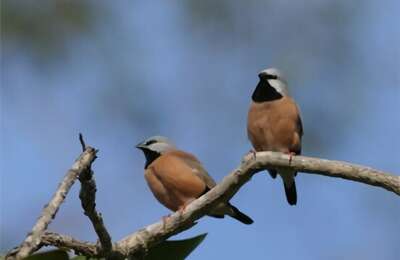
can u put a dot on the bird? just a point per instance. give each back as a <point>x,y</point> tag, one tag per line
<point>176,178</point>
<point>274,124</point>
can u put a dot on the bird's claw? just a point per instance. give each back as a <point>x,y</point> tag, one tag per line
<point>291,154</point>
<point>252,154</point>
<point>165,220</point>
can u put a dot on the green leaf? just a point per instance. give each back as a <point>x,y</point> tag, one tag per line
<point>49,255</point>
<point>80,257</point>
<point>175,249</point>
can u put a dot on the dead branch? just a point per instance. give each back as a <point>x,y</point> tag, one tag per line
<point>33,239</point>
<point>144,239</point>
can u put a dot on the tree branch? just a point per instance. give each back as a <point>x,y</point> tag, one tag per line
<point>33,239</point>
<point>141,241</point>
<point>87,195</point>
<point>224,191</point>
<point>64,241</point>
<point>330,168</point>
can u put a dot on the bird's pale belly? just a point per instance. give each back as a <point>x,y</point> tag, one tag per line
<point>167,193</point>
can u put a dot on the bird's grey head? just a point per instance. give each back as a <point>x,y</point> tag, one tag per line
<point>155,146</point>
<point>157,143</point>
<point>275,79</point>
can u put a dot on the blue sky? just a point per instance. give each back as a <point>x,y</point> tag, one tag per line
<point>186,71</point>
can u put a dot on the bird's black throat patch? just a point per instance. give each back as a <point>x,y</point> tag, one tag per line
<point>150,156</point>
<point>265,92</point>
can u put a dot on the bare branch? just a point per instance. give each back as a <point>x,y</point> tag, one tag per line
<point>32,241</point>
<point>155,233</point>
<point>64,241</point>
<point>330,168</point>
<point>87,195</point>
<point>141,241</point>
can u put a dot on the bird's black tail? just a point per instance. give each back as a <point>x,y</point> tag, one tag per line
<point>291,193</point>
<point>238,215</point>
<point>273,173</point>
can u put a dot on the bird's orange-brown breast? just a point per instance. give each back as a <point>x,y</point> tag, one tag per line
<point>173,181</point>
<point>275,126</point>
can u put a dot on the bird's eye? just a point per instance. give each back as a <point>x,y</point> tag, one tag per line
<point>150,142</point>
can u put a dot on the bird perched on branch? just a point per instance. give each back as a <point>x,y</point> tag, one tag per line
<point>176,178</point>
<point>274,124</point>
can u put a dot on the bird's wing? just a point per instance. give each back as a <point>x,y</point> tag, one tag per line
<point>295,125</point>
<point>300,126</point>
<point>299,130</point>
<point>196,166</point>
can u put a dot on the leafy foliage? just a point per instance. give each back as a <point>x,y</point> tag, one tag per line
<point>175,250</point>
<point>50,255</point>
<point>167,250</point>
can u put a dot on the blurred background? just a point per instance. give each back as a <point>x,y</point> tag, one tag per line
<point>121,71</point>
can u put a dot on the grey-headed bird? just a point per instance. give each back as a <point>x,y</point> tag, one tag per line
<point>274,124</point>
<point>176,178</point>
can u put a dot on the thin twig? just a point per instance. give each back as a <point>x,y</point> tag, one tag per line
<point>83,144</point>
<point>33,239</point>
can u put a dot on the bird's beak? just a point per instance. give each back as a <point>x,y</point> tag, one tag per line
<point>140,145</point>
